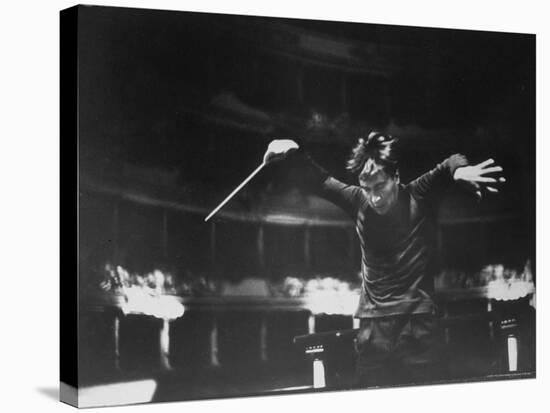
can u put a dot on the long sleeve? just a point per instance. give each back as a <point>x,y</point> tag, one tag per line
<point>433,183</point>
<point>314,179</point>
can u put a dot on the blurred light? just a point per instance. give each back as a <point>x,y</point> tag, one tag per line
<point>330,295</point>
<point>141,301</point>
<point>318,374</point>
<point>327,302</point>
<point>284,219</point>
<point>512,353</point>
<point>509,290</point>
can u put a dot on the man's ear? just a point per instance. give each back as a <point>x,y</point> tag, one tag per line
<point>397,178</point>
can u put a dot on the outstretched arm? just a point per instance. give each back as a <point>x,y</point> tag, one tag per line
<point>431,185</point>
<point>476,179</point>
<point>313,177</point>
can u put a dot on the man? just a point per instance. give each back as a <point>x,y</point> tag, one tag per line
<point>397,341</point>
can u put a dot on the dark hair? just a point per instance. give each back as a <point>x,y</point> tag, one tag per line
<point>382,149</point>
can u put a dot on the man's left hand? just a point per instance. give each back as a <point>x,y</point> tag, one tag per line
<point>475,177</point>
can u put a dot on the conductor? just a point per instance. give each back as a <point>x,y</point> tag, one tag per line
<point>396,226</point>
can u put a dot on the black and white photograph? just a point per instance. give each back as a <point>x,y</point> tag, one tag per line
<point>274,206</point>
<point>279,206</point>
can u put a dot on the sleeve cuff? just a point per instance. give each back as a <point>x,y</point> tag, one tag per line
<point>308,172</point>
<point>453,162</point>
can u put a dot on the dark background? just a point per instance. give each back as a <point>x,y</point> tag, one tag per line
<point>176,109</point>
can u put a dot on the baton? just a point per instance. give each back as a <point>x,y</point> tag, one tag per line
<point>237,189</point>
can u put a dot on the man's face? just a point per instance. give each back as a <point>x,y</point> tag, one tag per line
<point>380,188</point>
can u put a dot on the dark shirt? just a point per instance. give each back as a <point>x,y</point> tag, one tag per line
<point>397,264</point>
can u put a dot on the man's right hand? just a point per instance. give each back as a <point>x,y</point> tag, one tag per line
<point>279,149</point>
